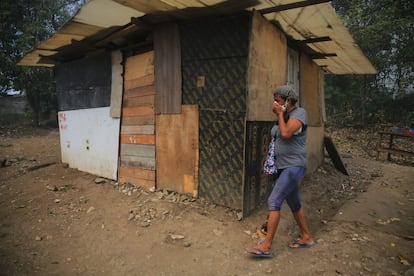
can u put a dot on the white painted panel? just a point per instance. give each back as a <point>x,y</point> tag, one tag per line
<point>89,140</point>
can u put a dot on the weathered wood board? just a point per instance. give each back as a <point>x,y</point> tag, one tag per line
<point>177,150</point>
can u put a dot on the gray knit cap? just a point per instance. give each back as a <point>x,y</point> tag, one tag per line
<point>286,91</point>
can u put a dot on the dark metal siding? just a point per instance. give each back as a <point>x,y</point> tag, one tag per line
<point>257,185</point>
<point>84,83</point>
<point>217,49</point>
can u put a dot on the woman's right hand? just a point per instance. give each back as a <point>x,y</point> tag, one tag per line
<point>277,108</point>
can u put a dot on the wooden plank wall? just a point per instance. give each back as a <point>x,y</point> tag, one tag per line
<point>137,149</point>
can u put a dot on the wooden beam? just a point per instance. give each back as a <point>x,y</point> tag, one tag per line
<point>317,39</point>
<point>290,6</point>
<point>322,55</point>
<point>129,29</point>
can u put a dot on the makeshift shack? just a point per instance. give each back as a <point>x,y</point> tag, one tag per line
<point>177,95</point>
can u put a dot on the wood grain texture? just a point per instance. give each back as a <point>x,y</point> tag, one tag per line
<point>138,139</point>
<point>177,150</point>
<point>168,68</point>
<point>137,149</point>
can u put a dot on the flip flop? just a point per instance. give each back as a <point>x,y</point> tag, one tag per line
<point>261,253</point>
<point>300,245</point>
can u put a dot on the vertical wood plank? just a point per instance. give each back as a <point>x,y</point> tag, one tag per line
<point>116,85</point>
<point>167,62</point>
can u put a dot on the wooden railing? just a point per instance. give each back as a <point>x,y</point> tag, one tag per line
<point>405,145</point>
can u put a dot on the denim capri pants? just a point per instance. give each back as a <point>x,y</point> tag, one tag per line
<point>287,187</point>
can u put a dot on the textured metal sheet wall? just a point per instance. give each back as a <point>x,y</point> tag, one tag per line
<point>84,83</point>
<point>214,77</point>
<point>257,186</point>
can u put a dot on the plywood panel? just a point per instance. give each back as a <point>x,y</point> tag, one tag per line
<point>177,150</point>
<point>267,68</point>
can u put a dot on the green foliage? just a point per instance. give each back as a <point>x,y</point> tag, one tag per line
<point>384,29</point>
<point>24,24</point>
<point>410,119</point>
<point>12,119</point>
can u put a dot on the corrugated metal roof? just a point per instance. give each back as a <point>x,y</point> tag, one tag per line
<point>99,24</point>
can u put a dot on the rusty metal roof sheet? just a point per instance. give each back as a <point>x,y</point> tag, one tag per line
<point>101,24</point>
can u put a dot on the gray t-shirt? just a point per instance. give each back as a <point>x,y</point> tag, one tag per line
<point>292,152</point>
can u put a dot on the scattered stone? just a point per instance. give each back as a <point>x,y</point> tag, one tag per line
<point>83,199</point>
<point>131,216</point>
<point>187,244</point>
<point>367,269</point>
<point>53,189</point>
<point>57,200</point>
<point>218,232</point>
<point>90,209</point>
<point>100,180</point>
<point>239,216</point>
<point>4,163</point>
<point>38,238</point>
<point>176,237</point>
<point>409,272</point>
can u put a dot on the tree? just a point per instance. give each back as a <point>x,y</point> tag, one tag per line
<point>24,24</point>
<point>384,29</point>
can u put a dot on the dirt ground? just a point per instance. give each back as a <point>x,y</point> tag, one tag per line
<point>55,220</point>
